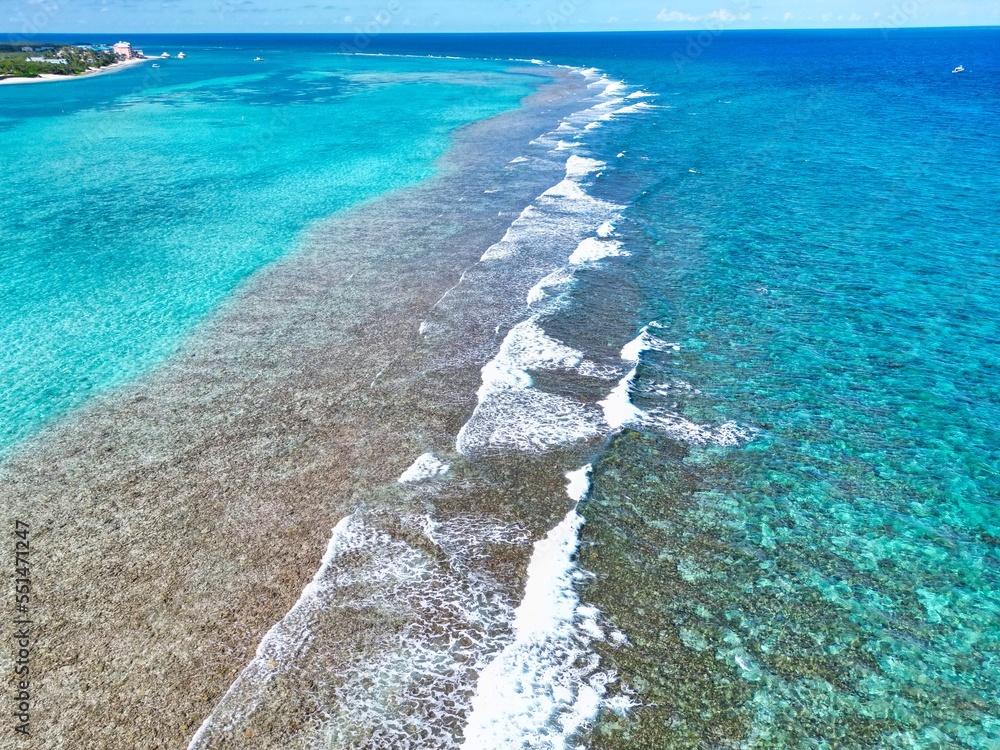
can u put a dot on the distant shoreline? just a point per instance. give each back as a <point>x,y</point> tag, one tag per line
<point>52,77</point>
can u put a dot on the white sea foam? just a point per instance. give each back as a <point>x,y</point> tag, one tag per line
<point>631,109</point>
<point>614,88</point>
<point>607,106</point>
<point>565,209</point>
<point>508,246</point>
<point>633,349</point>
<point>424,676</point>
<point>637,107</point>
<point>559,278</point>
<point>424,573</point>
<point>581,166</point>
<point>568,188</point>
<point>619,410</point>
<point>608,86</point>
<point>684,430</point>
<point>594,249</point>
<point>646,341</point>
<point>428,466</point>
<point>578,486</point>
<point>527,346</point>
<point>281,643</point>
<point>547,686</point>
<point>671,388</point>
<point>514,415</point>
<point>553,211</point>
<point>527,420</point>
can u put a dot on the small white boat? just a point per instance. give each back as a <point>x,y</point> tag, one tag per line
<point>165,56</point>
<point>959,69</point>
<point>181,55</point>
<point>258,59</point>
<point>156,65</point>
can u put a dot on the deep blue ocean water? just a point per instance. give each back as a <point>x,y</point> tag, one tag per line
<point>813,221</point>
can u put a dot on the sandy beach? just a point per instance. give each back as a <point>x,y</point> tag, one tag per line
<point>52,77</point>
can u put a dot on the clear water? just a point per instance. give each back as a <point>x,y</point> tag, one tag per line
<point>137,201</point>
<point>830,272</point>
<point>811,221</point>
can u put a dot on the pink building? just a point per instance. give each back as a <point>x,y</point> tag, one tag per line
<point>124,50</point>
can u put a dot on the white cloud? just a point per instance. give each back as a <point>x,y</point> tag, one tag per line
<point>722,15</point>
<point>789,16</point>
<point>674,16</point>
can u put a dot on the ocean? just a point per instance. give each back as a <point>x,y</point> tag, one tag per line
<point>647,382</point>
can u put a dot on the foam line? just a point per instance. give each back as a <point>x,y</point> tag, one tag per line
<point>559,277</point>
<point>581,166</point>
<point>546,687</point>
<point>594,249</point>
<point>426,467</point>
<point>619,410</point>
<point>282,641</point>
<point>644,342</point>
<point>511,413</point>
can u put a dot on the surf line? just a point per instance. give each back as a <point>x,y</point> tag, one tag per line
<point>547,686</point>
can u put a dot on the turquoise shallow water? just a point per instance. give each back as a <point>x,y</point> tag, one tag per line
<point>137,201</point>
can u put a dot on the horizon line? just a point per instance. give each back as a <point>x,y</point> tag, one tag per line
<point>698,29</point>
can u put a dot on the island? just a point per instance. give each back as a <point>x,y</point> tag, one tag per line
<point>21,62</point>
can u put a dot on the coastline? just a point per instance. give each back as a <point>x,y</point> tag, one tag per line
<point>52,77</point>
<point>201,508</point>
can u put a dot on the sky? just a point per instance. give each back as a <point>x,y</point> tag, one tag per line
<point>36,17</point>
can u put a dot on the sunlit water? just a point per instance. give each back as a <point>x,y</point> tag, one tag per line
<point>792,528</point>
<point>137,201</point>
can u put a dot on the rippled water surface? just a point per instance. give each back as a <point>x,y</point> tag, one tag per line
<point>138,200</point>
<point>758,301</point>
